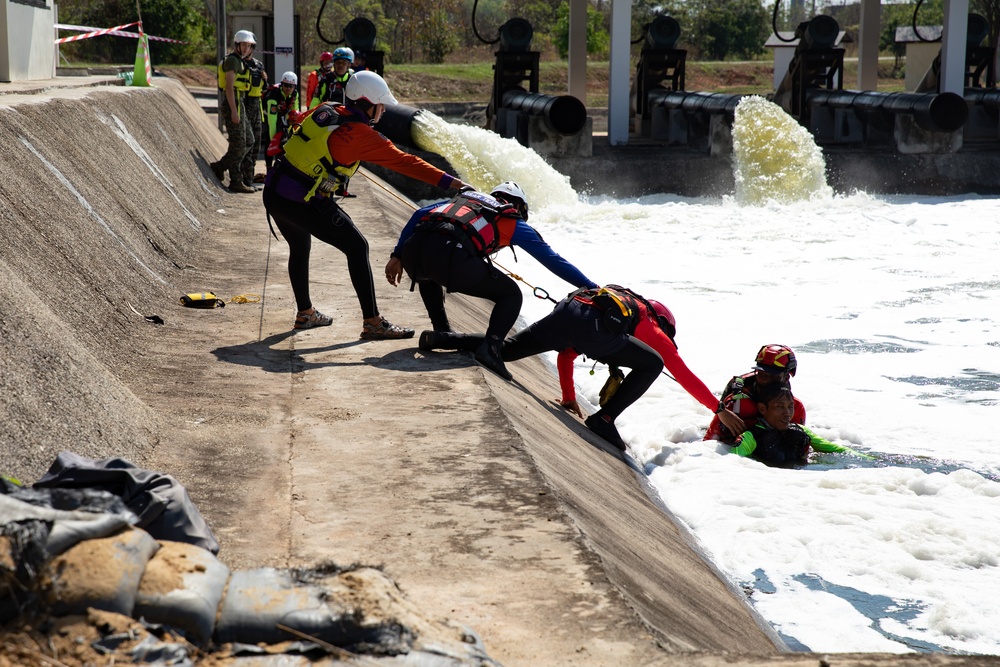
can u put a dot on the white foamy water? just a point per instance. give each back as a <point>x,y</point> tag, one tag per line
<point>776,157</point>
<point>892,306</point>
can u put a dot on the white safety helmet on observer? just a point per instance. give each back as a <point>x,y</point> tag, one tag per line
<point>245,37</point>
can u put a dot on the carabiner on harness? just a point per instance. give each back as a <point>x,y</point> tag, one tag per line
<point>543,294</point>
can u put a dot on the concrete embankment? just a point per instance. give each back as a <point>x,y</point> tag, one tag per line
<point>486,503</point>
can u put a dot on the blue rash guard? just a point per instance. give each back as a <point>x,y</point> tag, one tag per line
<point>524,237</point>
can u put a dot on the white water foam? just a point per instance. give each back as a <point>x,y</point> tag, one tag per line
<point>483,159</point>
<point>775,157</point>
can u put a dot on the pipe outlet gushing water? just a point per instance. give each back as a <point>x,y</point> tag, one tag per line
<point>484,159</point>
<point>774,157</point>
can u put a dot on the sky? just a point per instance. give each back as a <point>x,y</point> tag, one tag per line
<point>891,305</point>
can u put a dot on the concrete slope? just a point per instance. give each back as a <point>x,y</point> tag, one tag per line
<point>488,505</point>
<point>103,196</point>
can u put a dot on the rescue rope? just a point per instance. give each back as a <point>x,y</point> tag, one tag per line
<point>539,292</point>
<point>249,297</point>
<point>405,202</point>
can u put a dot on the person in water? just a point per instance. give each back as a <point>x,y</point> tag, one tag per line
<point>775,364</point>
<point>775,439</point>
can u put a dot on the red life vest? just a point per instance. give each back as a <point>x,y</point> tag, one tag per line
<point>487,222</point>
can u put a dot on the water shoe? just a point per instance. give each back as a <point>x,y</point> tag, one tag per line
<point>385,330</point>
<point>312,320</point>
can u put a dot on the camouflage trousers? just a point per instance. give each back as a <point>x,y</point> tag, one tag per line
<point>253,117</point>
<point>239,141</point>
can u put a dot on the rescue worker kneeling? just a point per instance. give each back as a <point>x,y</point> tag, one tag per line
<point>615,326</point>
<point>445,246</point>
<point>324,150</point>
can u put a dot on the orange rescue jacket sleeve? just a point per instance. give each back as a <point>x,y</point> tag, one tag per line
<point>358,141</point>
<point>311,84</point>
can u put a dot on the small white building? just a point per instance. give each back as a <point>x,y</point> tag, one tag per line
<point>27,40</point>
<point>919,53</point>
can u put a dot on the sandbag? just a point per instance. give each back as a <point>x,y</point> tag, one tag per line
<point>65,528</point>
<point>257,601</point>
<point>182,587</point>
<point>102,573</point>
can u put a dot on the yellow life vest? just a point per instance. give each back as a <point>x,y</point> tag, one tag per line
<point>307,150</point>
<point>242,82</point>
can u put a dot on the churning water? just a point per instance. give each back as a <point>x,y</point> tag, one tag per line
<point>892,305</point>
<point>775,157</point>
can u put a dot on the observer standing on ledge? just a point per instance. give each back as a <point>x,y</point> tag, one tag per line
<point>324,150</point>
<point>234,79</point>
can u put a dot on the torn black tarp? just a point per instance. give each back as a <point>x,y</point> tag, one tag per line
<point>164,508</point>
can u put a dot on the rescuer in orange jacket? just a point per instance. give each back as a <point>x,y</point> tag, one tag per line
<point>325,148</point>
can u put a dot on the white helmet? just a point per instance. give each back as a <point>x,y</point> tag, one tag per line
<point>511,192</point>
<point>367,85</point>
<point>245,36</point>
<point>290,77</point>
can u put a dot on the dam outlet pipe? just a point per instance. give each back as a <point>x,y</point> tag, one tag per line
<point>935,112</point>
<point>695,102</point>
<point>563,114</point>
<point>397,124</point>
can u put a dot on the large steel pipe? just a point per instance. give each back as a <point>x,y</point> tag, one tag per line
<point>695,102</point>
<point>935,112</point>
<point>563,114</point>
<point>987,97</point>
<point>396,124</point>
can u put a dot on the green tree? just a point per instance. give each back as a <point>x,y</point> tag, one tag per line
<point>437,35</point>
<point>175,19</point>
<point>490,15</point>
<point>930,13</point>
<point>598,39</point>
<point>723,29</point>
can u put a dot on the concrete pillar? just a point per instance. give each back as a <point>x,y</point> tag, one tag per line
<point>868,38</point>
<point>955,35</point>
<point>620,70</point>
<point>284,36</point>
<point>578,49</point>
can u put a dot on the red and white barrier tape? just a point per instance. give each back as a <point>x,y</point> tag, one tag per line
<point>116,31</point>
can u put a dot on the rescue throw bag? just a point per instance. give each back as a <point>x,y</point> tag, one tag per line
<point>202,300</point>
